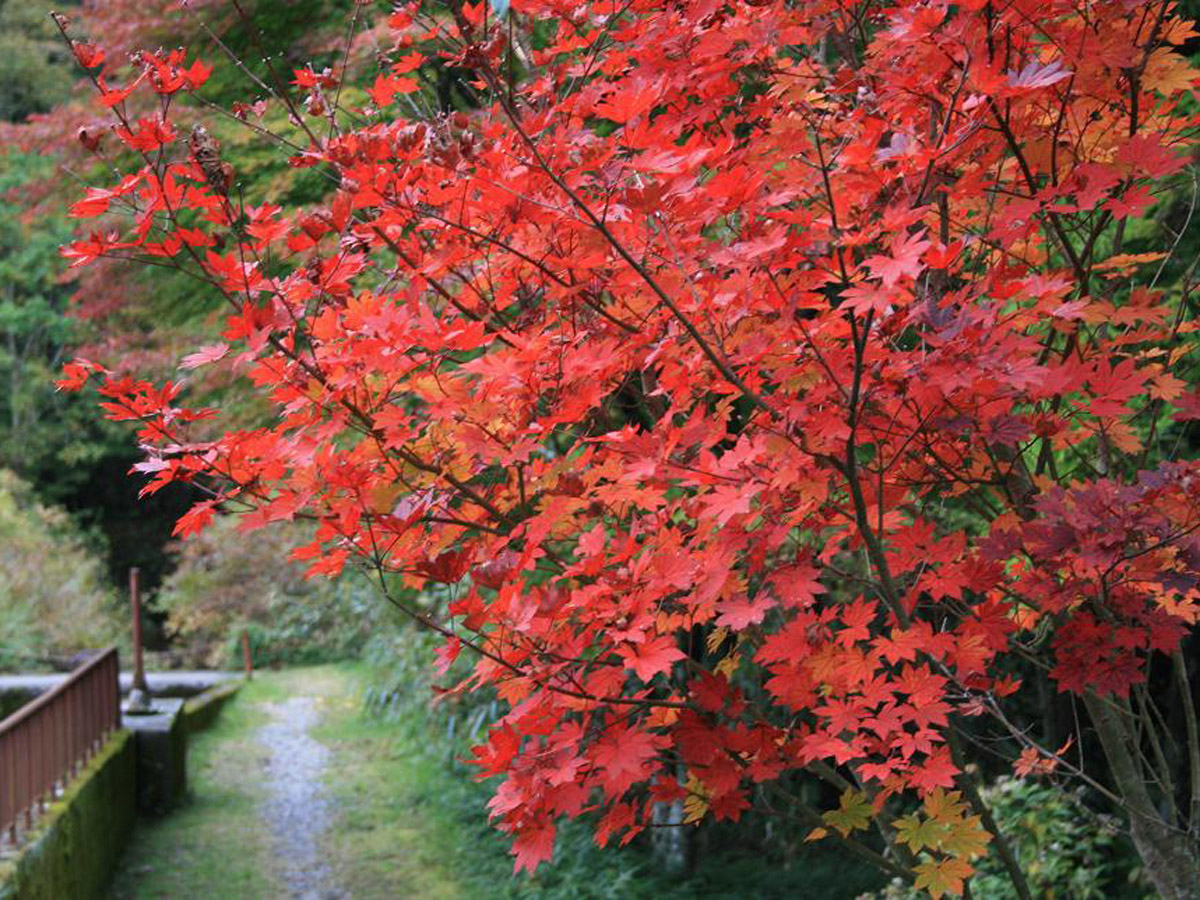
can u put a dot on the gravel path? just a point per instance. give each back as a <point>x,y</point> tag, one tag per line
<point>296,806</point>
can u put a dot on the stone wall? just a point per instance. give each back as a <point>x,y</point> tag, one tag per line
<point>76,843</point>
<point>201,711</point>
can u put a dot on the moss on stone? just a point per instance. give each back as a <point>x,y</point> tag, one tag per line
<point>201,711</point>
<point>75,844</point>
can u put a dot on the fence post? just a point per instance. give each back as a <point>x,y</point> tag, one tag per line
<point>247,662</point>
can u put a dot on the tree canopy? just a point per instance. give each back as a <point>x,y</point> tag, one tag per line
<point>780,387</point>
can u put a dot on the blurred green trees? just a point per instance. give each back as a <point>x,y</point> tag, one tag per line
<point>55,599</point>
<point>227,582</point>
<point>34,74</point>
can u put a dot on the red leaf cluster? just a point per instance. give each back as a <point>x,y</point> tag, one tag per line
<point>744,366</point>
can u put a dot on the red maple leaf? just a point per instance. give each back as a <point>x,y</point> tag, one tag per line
<point>655,358</point>
<point>904,261</point>
<point>936,771</point>
<point>797,585</point>
<point>652,656</point>
<point>205,355</point>
<point>533,846</point>
<point>741,612</point>
<point>624,756</point>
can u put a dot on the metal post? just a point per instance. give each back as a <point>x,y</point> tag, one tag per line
<point>247,663</point>
<point>139,695</point>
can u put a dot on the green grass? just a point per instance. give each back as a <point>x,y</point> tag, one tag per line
<point>217,847</point>
<point>386,841</point>
<point>414,825</point>
<point>214,846</point>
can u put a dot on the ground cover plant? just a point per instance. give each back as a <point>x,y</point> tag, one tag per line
<point>215,845</point>
<point>772,387</point>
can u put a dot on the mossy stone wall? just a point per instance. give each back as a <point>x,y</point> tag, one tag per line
<point>201,711</point>
<point>77,841</point>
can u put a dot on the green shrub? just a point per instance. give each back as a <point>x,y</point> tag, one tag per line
<point>227,582</point>
<point>54,599</point>
<point>1066,850</point>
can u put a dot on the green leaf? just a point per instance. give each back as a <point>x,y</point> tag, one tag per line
<point>854,813</point>
<point>919,833</point>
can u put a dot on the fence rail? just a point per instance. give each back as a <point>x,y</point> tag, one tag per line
<point>45,742</point>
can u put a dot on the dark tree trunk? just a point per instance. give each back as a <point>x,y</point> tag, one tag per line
<point>1167,852</point>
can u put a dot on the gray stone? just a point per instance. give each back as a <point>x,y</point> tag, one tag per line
<point>161,745</point>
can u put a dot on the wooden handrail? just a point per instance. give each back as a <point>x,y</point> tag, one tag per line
<point>45,742</point>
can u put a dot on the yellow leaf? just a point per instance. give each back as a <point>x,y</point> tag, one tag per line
<point>715,638</point>
<point>966,840</point>
<point>919,833</point>
<point>1128,260</point>
<point>945,806</point>
<point>695,804</point>
<point>382,497</point>
<point>1179,31</point>
<point>815,835</point>
<point>1167,72</point>
<point>728,665</point>
<point>1166,386</point>
<point>662,716</point>
<point>942,876</point>
<point>1123,437</point>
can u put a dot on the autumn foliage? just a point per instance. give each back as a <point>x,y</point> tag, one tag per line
<point>771,380</point>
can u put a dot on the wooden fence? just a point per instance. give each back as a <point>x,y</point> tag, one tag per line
<point>45,743</point>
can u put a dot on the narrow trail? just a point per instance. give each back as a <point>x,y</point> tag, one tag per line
<point>261,820</point>
<point>297,807</point>
<point>294,795</point>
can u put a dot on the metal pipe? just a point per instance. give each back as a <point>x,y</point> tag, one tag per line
<point>135,601</point>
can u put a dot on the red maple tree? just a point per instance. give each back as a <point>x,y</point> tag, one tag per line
<point>771,381</point>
